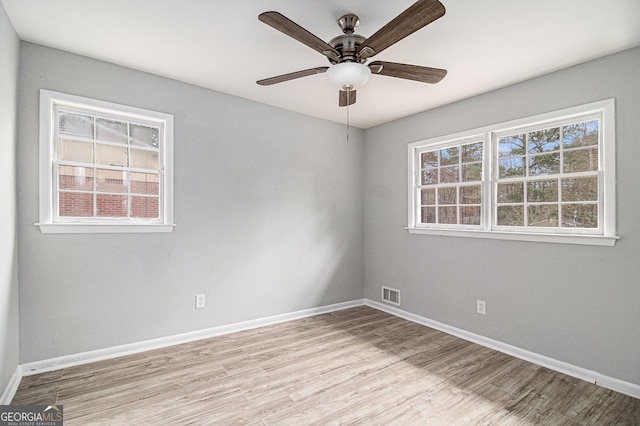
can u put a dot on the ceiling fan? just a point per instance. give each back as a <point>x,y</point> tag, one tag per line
<point>349,52</point>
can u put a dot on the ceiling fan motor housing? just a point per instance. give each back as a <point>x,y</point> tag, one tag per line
<point>347,43</point>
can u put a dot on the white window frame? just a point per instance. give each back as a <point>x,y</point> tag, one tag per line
<point>49,222</point>
<point>443,144</point>
<point>605,235</point>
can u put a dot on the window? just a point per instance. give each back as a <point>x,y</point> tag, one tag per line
<point>450,184</point>
<point>104,167</point>
<point>547,178</point>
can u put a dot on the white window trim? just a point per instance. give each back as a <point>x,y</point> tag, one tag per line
<point>48,100</point>
<point>607,237</point>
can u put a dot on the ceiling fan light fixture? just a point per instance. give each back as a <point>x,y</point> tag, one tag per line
<point>348,75</point>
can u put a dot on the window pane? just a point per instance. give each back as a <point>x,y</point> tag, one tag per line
<point>512,167</point>
<point>472,152</point>
<point>447,195</point>
<point>144,159</point>
<point>111,130</point>
<point>429,176</point>
<point>580,134</point>
<point>428,197</point>
<point>76,124</point>
<point>449,174</point>
<point>111,205</point>
<point>510,146</point>
<point>429,159</point>
<point>580,189</point>
<point>72,150</point>
<point>544,140</point>
<point>448,215</point>
<point>580,215</point>
<point>470,215</point>
<point>547,164</point>
<point>472,172</point>
<point>428,215</point>
<point>544,215</point>
<point>542,190</point>
<point>78,178</point>
<point>510,216</point>
<point>470,194</point>
<point>74,204</point>
<point>146,207</point>
<point>145,136</point>
<point>146,183</point>
<point>111,155</point>
<point>111,181</point>
<point>511,192</point>
<point>449,156</point>
<point>581,160</point>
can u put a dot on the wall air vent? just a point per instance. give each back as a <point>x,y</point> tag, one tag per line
<point>391,295</point>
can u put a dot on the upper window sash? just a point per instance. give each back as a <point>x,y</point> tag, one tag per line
<point>605,234</point>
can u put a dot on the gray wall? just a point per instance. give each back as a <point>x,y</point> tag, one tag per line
<point>578,304</point>
<point>9,59</point>
<point>268,205</point>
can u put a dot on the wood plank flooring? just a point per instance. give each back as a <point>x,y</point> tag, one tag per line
<point>358,366</point>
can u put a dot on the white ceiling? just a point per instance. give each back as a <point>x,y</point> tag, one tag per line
<point>221,45</point>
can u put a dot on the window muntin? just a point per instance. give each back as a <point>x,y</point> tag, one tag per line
<point>104,167</point>
<point>547,178</point>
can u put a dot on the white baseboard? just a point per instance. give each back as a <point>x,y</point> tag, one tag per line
<point>599,379</point>
<point>66,361</point>
<point>12,387</point>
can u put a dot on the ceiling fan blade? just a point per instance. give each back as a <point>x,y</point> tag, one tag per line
<point>417,16</point>
<point>347,98</point>
<point>291,76</point>
<point>409,72</point>
<point>290,28</point>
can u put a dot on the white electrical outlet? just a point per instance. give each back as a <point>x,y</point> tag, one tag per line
<point>481,307</point>
<point>200,301</point>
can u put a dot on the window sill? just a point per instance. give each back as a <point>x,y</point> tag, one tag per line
<point>83,228</point>
<point>592,240</point>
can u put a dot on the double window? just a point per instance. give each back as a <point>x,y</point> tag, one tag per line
<point>545,178</point>
<point>103,167</point>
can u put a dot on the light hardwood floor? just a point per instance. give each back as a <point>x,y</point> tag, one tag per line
<point>356,366</point>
